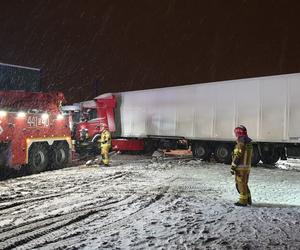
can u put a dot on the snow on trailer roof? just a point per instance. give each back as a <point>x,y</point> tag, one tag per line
<point>189,85</point>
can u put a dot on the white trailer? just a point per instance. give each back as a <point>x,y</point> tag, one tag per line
<point>206,114</point>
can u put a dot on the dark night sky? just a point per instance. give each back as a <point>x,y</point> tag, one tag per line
<point>136,44</point>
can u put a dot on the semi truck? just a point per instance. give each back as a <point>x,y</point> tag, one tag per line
<point>34,134</point>
<point>37,133</point>
<point>204,116</point>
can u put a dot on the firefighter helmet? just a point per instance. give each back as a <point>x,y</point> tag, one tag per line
<point>240,131</point>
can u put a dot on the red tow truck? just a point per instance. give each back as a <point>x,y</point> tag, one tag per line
<point>38,134</point>
<point>34,134</point>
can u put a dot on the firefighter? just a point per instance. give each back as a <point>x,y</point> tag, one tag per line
<point>105,144</point>
<point>241,164</point>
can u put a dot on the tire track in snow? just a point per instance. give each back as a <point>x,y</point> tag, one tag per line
<point>16,203</point>
<point>154,198</point>
<point>33,231</point>
<point>36,230</point>
<point>127,219</point>
<point>7,205</point>
<point>41,229</point>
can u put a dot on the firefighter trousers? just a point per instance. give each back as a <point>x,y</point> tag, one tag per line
<point>241,181</point>
<point>105,153</point>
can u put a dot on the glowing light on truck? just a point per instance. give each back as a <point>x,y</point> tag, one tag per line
<point>59,117</point>
<point>3,113</point>
<point>21,114</point>
<point>45,116</point>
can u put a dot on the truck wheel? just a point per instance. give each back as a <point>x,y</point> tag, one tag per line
<point>255,156</point>
<point>270,157</point>
<point>223,153</point>
<point>4,152</point>
<point>201,150</point>
<point>38,158</point>
<point>60,155</point>
<point>150,147</point>
<point>269,154</point>
<point>95,150</point>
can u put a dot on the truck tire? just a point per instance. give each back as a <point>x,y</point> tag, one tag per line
<point>38,158</point>
<point>201,150</point>
<point>60,155</point>
<point>223,153</point>
<point>4,152</point>
<point>255,156</point>
<point>95,148</point>
<point>150,146</point>
<point>269,154</point>
<point>270,158</point>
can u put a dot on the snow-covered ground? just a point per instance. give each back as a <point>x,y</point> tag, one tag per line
<point>141,203</point>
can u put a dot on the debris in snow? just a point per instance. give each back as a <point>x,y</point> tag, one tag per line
<point>95,161</point>
<point>158,154</point>
<point>289,164</point>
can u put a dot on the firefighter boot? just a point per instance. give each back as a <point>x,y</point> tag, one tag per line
<point>240,204</point>
<point>249,200</point>
<point>105,161</point>
<point>249,197</point>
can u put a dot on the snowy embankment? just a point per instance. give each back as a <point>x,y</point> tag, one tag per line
<point>140,203</point>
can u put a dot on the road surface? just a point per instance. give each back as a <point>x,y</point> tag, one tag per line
<point>145,203</point>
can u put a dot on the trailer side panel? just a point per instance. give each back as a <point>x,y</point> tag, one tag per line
<point>268,106</point>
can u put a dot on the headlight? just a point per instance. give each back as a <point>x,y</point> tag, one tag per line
<point>3,113</point>
<point>59,117</point>
<point>45,116</point>
<point>21,114</point>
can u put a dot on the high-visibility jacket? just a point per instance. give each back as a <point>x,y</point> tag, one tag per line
<point>105,138</point>
<point>105,145</point>
<point>242,153</point>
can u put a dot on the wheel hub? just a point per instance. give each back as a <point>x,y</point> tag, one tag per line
<point>60,156</point>
<point>38,159</point>
<point>200,151</point>
<point>222,152</point>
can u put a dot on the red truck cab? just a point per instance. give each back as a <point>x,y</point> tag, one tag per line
<point>87,128</point>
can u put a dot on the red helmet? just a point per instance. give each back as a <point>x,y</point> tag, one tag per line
<point>240,131</point>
